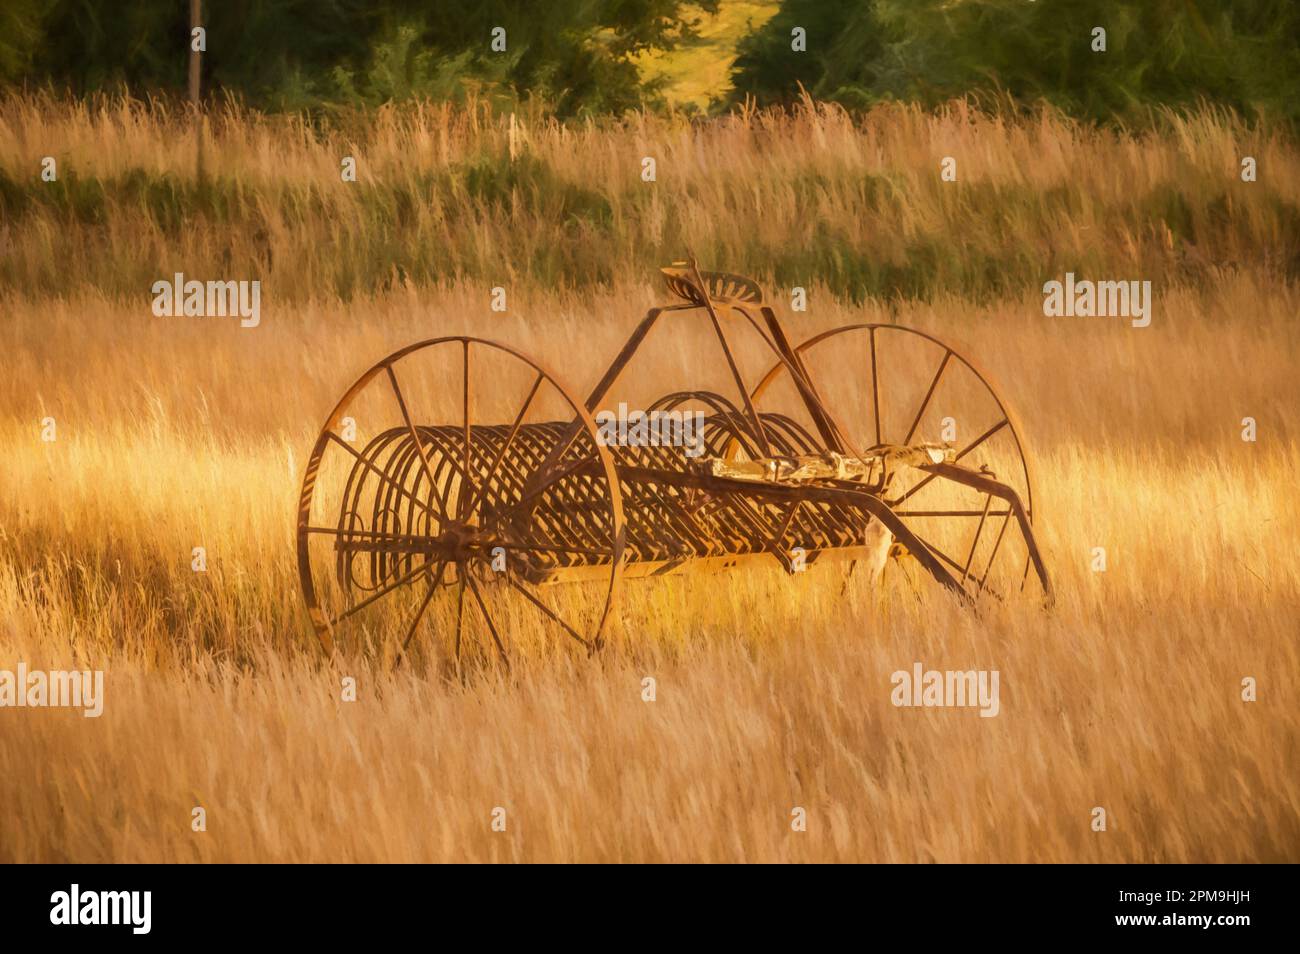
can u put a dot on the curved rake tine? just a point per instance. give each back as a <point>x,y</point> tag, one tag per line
<point>549,548</point>
<point>552,478</point>
<point>380,474</point>
<point>369,536</point>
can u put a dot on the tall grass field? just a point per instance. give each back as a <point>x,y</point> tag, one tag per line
<point>772,692</point>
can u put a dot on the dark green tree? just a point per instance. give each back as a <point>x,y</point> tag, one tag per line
<point>1239,53</point>
<point>302,53</point>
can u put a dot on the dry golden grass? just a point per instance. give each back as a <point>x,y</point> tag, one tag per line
<point>773,692</point>
<point>445,194</point>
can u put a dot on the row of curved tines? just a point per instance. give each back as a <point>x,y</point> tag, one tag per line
<point>394,508</point>
<point>386,523</point>
<point>668,521</point>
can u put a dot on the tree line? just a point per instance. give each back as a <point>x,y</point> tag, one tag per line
<point>579,56</point>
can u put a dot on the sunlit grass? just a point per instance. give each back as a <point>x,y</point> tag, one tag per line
<point>771,691</point>
<point>808,197</point>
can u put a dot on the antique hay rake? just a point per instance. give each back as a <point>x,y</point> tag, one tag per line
<point>861,442</point>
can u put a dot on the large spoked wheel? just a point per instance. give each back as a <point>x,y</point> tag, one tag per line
<point>439,538</point>
<point>891,385</point>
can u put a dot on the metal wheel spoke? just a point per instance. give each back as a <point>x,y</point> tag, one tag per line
<point>396,584</point>
<point>920,411</point>
<point>875,385</point>
<point>435,580</point>
<point>461,511</point>
<point>536,601</point>
<point>487,618</point>
<point>993,555</point>
<point>382,476</point>
<point>959,455</point>
<point>501,454</point>
<point>410,426</point>
<point>981,439</point>
<point>952,563</point>
<point>914,489</point>
<point>460,608</point>
<point>937,552</point>
<point>974,544</point>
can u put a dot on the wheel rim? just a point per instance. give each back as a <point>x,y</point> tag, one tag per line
<point>907,375</point>
<point>406,527</point>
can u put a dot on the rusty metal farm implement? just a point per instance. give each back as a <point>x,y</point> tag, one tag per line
<point>861,442</point>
